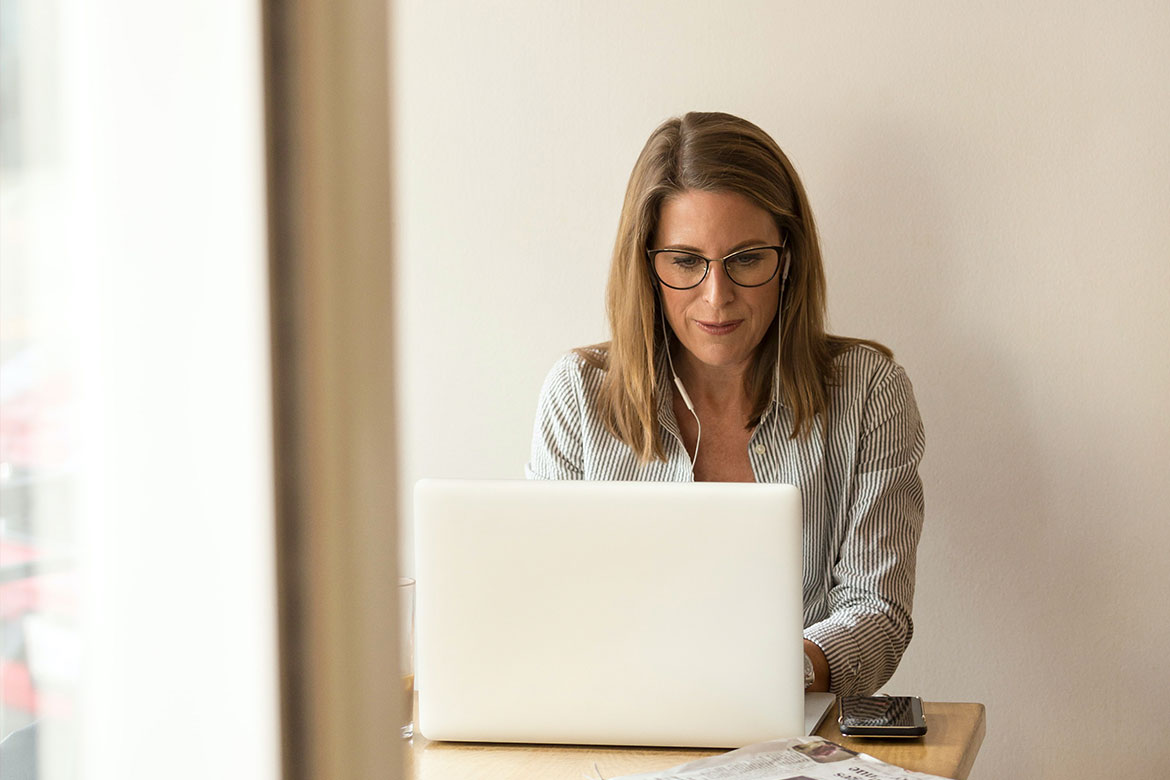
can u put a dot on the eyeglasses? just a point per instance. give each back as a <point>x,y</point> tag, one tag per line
<point>681,270</point>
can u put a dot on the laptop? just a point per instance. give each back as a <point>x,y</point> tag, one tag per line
<point>609,613</point>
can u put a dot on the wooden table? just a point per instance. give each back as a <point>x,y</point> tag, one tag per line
<point>954,733</point>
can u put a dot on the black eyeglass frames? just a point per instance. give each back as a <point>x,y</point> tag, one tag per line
<point>682,270</point>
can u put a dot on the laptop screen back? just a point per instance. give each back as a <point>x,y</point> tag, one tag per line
<point>617,613</point>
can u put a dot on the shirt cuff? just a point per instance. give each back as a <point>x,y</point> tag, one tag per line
<point>841,651</point>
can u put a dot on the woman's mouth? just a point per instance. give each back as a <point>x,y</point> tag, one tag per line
<point>718,328</point>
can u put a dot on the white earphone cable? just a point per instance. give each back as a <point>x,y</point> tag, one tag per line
<point>780,326</point>
<point>678,383</point>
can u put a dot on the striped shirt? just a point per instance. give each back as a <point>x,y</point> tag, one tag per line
<point>858,476</point>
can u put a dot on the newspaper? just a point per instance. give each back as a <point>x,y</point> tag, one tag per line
<point>799,758</point>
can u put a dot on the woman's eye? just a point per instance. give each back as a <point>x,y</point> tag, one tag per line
<point>746,261</point>
<point>685,261</point>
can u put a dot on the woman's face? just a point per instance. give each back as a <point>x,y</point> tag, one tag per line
<point>719,323</point>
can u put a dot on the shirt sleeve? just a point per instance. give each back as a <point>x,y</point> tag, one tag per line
<point>557,451</point>
<point>869,625</point>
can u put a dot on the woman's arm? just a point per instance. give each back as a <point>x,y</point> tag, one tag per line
<point>557,451</point>
<point>869,625</point>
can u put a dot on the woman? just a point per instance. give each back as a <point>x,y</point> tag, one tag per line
<point>720,369</point>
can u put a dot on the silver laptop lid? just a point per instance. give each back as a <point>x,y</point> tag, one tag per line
<point>620,613</point>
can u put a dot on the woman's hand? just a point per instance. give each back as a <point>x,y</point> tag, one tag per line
<point>820,667</point>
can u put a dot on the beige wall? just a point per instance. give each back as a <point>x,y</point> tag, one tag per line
<point>993,189</point>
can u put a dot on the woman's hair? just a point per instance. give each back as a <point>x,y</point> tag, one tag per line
<point>721,153</point>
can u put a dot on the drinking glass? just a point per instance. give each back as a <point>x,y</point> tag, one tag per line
<point>406,652</point>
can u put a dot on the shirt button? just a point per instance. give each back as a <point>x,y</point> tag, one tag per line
<point>761,449</point>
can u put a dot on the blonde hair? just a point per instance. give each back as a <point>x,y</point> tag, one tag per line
<point>713,152</point>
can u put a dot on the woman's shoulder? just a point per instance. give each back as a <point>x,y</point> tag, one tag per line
<point>578,368</point>
<point>594,356</point>
<point>860,365</point>
<point>586,362</point>
<point>871,391</point>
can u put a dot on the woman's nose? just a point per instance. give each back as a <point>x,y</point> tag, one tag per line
<point>718,287</point>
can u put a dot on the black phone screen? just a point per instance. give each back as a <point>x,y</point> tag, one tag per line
<point>881,711</point>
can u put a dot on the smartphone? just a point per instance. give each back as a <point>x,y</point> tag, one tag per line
<point>881,716</point>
